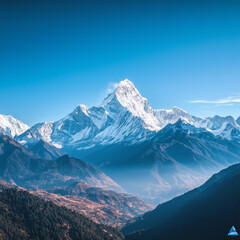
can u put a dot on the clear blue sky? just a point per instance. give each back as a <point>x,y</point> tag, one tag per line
<point>56,55</point>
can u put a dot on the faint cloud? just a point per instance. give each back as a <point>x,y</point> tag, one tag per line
<point>226,104</point>
<point>228,101</point>
<point>111,87</point>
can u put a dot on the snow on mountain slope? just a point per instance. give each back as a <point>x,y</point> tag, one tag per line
<point>124,115</point>
<point>230,132</point>
<point>225,127</point>
<point>173,115</point>
<point>216,125</point>
<point>129,97</point>
<point>40,131</point>
<point>11,126</point>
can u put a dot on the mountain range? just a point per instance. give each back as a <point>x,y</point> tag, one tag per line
<point>68,182</point>
<point>127,148</point>
<point>178,158</point>
<point>20,166</point>
<point>124,115</point>
<point>126,138</point>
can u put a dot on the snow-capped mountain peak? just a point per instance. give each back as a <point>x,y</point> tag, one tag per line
<point>178,110</point>
<point>126,93</point>
<point>11,126</point>
<point>82,108</point>
<point>127,96</point>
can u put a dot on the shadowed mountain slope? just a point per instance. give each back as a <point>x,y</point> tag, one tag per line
<point>179,158</point>
<point>46,150</point>
<point>19,165</point>
<point>207,212</point>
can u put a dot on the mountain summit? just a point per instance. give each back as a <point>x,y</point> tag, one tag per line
<point>127,95</point>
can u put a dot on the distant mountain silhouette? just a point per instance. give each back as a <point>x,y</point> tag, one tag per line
<point>46,150</point>
<point>21,166</point>
<point>179,158</point>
